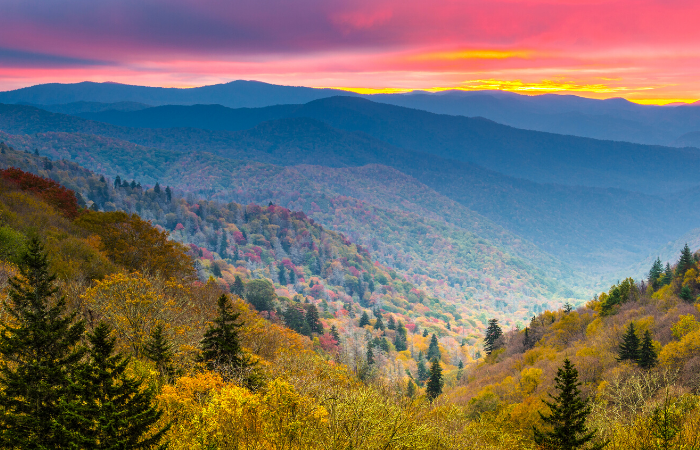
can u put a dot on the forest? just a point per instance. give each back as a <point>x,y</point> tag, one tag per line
<point>174,321</point>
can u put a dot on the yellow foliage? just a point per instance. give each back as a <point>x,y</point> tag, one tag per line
<point>529,380</point>
<point>676,352</point>
<point>687,324</point>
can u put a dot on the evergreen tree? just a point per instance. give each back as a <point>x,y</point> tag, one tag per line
<point>384,345</point>
<point>435,382</point>
<point>629,347</point>
<point>294,318</point>
<point>313,320</point>
<point>223,247</point>
<point>335,334</point>
<point>425,332</point>
<point>568,307</point>
<point>493,333</point>
<point>160,351</point>
<point>400,338</point>
<point>114,412</point>
<point>686,294</point>
<point>657,269</point>
<point>527,340</point>
<point>411,388</point>
<point>238,288</point>
<point>156,189</point>
<point>282,275</point>
<point>370,355</point>
<point>364,320</point>
<point>221,347</point>
<point>685,262</point>
<point>379,324</point>
<point>168,194</point>
<point>647,354</point>
<point>39,352</point>
<point>117,182</point>
<point>391,323</point>
<point>422,370</point>
<point>668,275</point>
<point>434,349</point>
<point>568,413</point>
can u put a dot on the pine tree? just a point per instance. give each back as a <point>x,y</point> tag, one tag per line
<point>379,324</point>
<point>435,382</point>
<point>282,275</point>
<point>425,332</point>
<point>156,189</point>
<point>117,182</point>
<point>391,323</point>
<point>400,338</point>
<point>629,347</point>
<point>223,247</point>
<point>686,294</point>
<point>422,371</point>
<point>168,194</point>
<point>370,355</point>
<point>39,352</point>
<point>685,262</point>
<point>668,275</point>
<point>493,333</point>
<point>647,354</point>
<point>238,288</point>
<point>294,318</point>
<point>114,411</point>
<point>434,349</point>
<point>364,320</point>
<point>411,388</point>
<point>568,413</point>
<point>527,340</point>
<point>313,320</point>
<point>160,351</point>
<point>221,347</point>
<point>335,334</point>
<point>657,269</point>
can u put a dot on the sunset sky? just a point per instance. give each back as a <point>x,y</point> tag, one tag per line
<point>644,50</point>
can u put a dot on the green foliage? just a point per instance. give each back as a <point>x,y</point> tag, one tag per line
<point>221,346</point>
<point>159,350</point>
<point>566,422</point>
<point>113,410</point>
<point>629,347</point>
<point>657,269</point>
<point>647,354</point>
<point>685,262</point>
<point>40,352</point>
<point>618,294</point>
<point>434,349</point>
<point>493,333</point>
<point>364,319</point>
<point>433,388</point>
<point>260,294</point>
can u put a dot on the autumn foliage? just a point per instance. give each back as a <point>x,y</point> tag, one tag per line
<point>54,194</point>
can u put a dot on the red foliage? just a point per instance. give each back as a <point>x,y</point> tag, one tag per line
<point>54,194</point>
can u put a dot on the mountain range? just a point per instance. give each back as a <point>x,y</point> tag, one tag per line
<point>611,119</point>
<point>575,212</point>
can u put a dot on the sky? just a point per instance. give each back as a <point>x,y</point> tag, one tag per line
<point>647,51</point>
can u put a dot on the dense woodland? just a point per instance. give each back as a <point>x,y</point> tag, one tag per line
<point>263,330</point>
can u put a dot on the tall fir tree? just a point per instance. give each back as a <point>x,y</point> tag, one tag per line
<point>434,349</point>
<point>668,275</point>
<point>379,324</point>
<point>629,347</point>
<point>370,355</point>
<point>685,262</point>
<point>294,318</point>
<point>433,387</point>
<point>39,352</point>
<point>422,372</point>
<point>221,347</point>
<point>568,413</point>
<point>364,320</point>
<point>335,334</point>
<point>657,269</point>
<point>493,333</point>
<point>114,410</point>
<point>400,338</point>
<point>238,288</point>
<point>313,319</point>
<point>647,353</point>
<point>391,323</point>
<point>160,351</point>
<point>425,332</point>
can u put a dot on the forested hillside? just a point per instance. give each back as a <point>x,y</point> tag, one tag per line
<point>392,376</point>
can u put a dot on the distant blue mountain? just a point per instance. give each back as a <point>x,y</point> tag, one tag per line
<point>612,119</point>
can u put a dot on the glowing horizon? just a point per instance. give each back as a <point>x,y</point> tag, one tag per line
<point>648,53</point>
